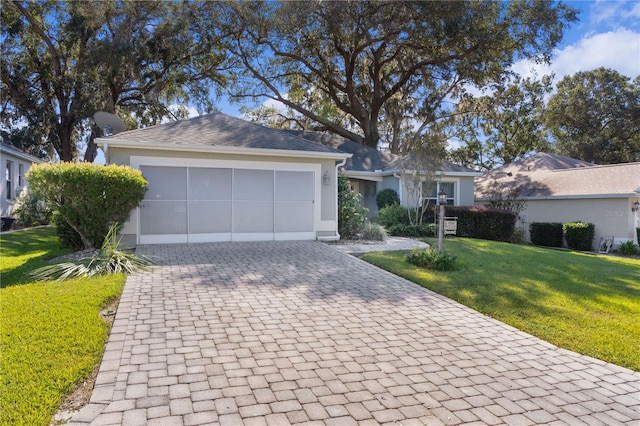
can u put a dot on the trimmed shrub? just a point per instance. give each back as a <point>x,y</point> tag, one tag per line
<point>579,235</point>
<point>87,198</point>
<point>387,197</point>
<point>414,231</point>
<point>392,215</point>
<point>483,222</point>
<point>374,232</point>
<point>628,248</point>
<point>548,234</point>
<point>31,211</point>
<point>432,259</point>
<point>351,213</point>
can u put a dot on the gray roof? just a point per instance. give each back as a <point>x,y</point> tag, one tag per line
<point>364,159</point>
<point>367,159</point>
<point>549,175</point>
<point>219,130</point>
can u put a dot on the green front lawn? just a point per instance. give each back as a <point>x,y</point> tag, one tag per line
<point>51,333</point>
<point>584,303</point>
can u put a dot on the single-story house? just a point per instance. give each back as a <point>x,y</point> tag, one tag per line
<point>16,164</point>
<point>562,189</point>
<point>370,171</point>
<point>220,178</point>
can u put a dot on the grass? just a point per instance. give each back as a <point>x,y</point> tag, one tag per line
<point>24,251</point>
<point>584,303</point>
<point>51,333</point>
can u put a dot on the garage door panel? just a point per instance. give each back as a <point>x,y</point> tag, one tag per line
<point>207,217</point>
<point>210,184</point>
<point>253,185</point>
<point>252,216</point>
<point>163,217</point>
<point>294,216</point>
<point>294,186</point>
<point>165,183</point>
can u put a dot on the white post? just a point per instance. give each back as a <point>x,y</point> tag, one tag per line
<point>441,228</point>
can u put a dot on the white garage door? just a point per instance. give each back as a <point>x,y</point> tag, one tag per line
<point>200,204</point>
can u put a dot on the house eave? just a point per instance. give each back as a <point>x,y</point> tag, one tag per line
<point>114,142</point>
<point>21,155</point>
<point>572,197</point>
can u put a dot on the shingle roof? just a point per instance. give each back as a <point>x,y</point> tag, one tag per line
<point>364,159</point>
<point>219,130</point>
<point>548,175</point>
<point>367,159</point>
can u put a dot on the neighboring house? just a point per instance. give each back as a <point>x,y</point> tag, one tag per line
<point>220,178</point>
<point>562,189</point>
<point>15,164</point>
<point>370,171</point>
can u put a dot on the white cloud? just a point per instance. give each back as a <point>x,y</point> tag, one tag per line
<point>618,50</point>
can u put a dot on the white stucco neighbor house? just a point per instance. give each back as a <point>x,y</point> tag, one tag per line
<point>220,178</point>
<point>562,189</point>
<point>15,165</point>
<point>370,171</point>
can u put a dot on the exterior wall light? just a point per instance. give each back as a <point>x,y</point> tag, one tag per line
<point>326,179</point>
<point>635,207</point>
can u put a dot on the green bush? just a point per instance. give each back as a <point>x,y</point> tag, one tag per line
<point>87,198</point>
<point>415,231</point>
<point>628,248</point>
<point>549,234</point>
<point>31,211</point>
<point>483,222</point>
<point>373,232</point>
<point>579,235</point>
<point>432,259</point>
<point>392,215</point>
<point>351,213</point>
<point>387,197</point>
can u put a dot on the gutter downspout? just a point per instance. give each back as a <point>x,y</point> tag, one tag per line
<point>335,237</point>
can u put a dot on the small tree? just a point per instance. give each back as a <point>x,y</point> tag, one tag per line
<point>351,213</point>
<point>87,198</point>
<point>417,172</point>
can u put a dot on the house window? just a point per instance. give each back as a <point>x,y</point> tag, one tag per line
<point>448,187</point>
<point>20,175</point>
<point>9,180</point>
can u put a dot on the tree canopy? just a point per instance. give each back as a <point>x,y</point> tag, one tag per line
<point>384,66</point>
<point>595,117</point>
<point>502,127</point>
<point>63,61</point>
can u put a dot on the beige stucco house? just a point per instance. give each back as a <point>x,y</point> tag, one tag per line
<point>562,189</point>
<point>370,171</point>
<point>15,165</point>
<point>220,178</point>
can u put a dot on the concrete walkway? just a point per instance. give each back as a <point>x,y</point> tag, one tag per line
<point>298,332</point>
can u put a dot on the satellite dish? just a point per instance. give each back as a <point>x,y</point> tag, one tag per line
<point>109,123</point>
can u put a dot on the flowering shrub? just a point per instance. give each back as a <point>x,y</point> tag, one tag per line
<point>351,213</point>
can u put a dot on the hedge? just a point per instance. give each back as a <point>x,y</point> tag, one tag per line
<point>579,235</point>
<point>483,222</point>
<point>87,198</point>
<point>548,234</point>
<point>387,197</point>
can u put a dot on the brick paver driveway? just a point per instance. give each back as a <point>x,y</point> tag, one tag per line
<point>297,332</point>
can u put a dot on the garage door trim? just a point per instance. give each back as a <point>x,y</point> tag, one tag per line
<point>275,167</point>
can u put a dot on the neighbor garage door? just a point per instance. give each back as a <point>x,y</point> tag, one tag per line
<point>201,204</point>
